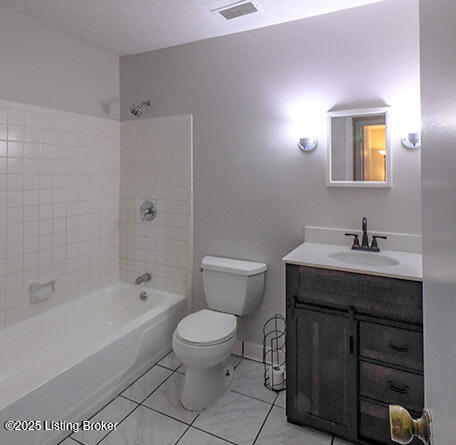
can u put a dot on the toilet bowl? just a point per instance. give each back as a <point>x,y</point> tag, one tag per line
<point>206,357</point>
<point>203,341</point>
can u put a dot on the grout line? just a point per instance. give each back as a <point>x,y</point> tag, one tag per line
<point>119,423</point>
<point>130,400</point>
<point>167,367</point>
<point>214,435</point>
<point>275,400</point>
<point>68,437</point>
<point>155,389</point>
<point>167,415</point>
<point>252,397</point>
<point>250,359</point>
<point>105,405</point>
<point>194,420</point>
<point>262,425</point>
<point>185,432</point>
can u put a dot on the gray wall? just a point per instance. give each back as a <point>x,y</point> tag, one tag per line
<point>253,189</point>
<point>45,67</point>
<point>438,92</point>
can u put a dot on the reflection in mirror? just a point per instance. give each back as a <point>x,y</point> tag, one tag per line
<point>359,149</point>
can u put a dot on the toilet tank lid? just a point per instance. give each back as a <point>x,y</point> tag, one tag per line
<point>233,266</point>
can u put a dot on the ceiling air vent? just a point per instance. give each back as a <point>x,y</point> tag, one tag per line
<point>237,10</point>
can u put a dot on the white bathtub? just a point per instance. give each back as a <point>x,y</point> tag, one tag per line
<point>66,363</point>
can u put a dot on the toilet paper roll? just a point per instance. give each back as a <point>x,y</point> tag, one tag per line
<point>276,376</point>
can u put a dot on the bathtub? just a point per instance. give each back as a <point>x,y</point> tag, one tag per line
<point>63,365</point>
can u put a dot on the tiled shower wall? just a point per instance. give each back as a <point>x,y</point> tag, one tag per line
<point>59,204</point>
<point>156,165</point>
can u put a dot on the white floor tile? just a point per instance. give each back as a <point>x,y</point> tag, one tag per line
<point>167,399</point>
<point>277,431</point>
<point>170,361</point>
<point>197,437</point>
<point>249,380</point>
<point>144,386</point>
<point>234,417</point>
<point>116,411</point>
<point>146,427</point>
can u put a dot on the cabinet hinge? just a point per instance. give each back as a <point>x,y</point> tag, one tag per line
<point>291,306</point>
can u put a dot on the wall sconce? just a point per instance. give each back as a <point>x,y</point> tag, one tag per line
<point>412,140</point>
<point>307,144</point>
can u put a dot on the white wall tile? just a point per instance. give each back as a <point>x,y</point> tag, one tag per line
<point>55,176</point>
<point>156,165</point>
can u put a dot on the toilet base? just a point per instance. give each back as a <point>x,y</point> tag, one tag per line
<point>203,387</point>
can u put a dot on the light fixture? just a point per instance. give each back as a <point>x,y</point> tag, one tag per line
<point>307,144</point>
<point>412,140</point>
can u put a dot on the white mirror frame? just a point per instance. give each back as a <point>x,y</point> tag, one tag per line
<point>364,184</point>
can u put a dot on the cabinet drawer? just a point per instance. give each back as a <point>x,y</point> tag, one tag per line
<point>382,297</point>
<point>392,386</point>
<point>374,423</point>
<point>391,345</point>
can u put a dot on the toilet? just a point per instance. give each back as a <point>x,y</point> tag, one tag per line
<point>203,341</point>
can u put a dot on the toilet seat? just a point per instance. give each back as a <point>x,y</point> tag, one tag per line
<point>206,328</point>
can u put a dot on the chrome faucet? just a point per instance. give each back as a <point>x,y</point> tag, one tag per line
<point>365,239</point>
<point>143,278</point>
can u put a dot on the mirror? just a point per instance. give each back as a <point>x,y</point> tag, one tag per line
<point>359,148</point>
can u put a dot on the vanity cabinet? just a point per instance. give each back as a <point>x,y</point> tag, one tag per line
<point>354,346</point>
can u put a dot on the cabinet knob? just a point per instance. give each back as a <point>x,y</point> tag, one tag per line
<point>403,428</point>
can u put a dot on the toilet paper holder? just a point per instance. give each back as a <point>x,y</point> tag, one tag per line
<point>274,331</point>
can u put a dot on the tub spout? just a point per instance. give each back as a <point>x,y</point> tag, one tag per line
<point>143,278</point>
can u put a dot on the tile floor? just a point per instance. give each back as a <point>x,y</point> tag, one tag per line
<point>149,413</point>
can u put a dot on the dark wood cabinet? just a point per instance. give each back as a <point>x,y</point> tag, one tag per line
<point>354,345</point>
<point>327,375</point>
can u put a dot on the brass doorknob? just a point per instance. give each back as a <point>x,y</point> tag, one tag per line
<point>404,428</point>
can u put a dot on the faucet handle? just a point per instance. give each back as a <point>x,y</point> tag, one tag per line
<point>374,245</point>
<point>355,239</point>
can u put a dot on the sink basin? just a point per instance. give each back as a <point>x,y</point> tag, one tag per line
<point>363,258</point>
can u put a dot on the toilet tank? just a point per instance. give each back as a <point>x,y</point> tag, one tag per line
<point>233,286</point>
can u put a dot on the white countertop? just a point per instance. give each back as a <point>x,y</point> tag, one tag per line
<point>317,255</point>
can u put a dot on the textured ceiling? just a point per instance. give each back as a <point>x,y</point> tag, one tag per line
<point>131,26</point>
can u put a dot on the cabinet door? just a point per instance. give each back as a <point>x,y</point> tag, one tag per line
<point>321,370</point>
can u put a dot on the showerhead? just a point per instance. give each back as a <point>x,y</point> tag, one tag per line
<point>136,110</point>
